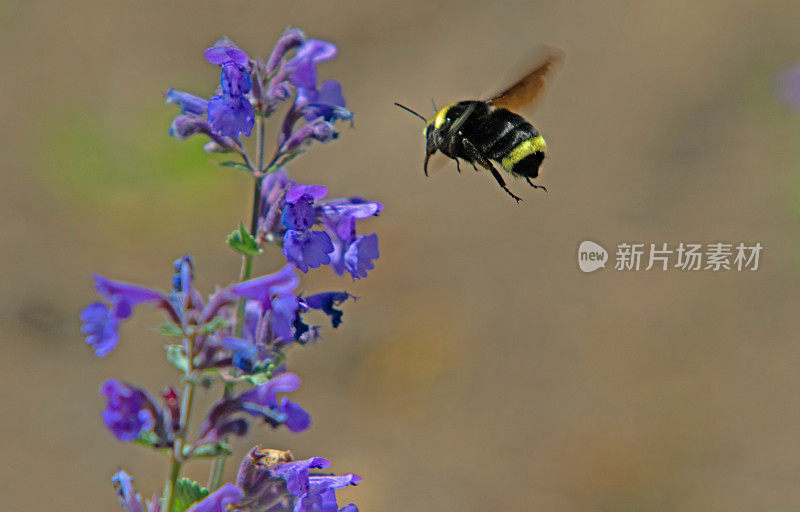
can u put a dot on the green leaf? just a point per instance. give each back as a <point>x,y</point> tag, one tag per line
<point>214,325</point>
<point>176,356</point>
<point>212,450</point>
<point>256,379</point>
<point>241,241</point>
<point>234,165</point>
<point>170,329</point>
<point>147,439</point>
<point>283,161</point>
<point>187,493</point>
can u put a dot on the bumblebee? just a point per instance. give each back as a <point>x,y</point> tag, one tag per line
<point>480,132</point>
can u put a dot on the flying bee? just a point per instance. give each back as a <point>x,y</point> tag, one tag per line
<point>484,131</point>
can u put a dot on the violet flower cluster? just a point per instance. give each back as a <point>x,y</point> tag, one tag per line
<point>240,334</point>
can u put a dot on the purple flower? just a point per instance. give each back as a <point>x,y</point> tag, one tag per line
<point>125,296</point>
<point>100,326</point>
<point>245,354</point>
<point>326,303</point>
<point>101,321</point>
<point>218,500</point>
<point>261,402</point>
<point>340,216</point>
<point>299,212</point>
<point>314,493</point>
<point>188,103</point>
<point>273,193</point>
<point>129,411</point>
<point>307,249</point>
<point>230,112</point>
<point>231,116</point>
<point>273,484</point>
<point>291,39</point>
<point>274,294</point>
<point>318,129</point>
<point>284,310</point>
<point>184,126</point>
<point>225,52</point>
<point>304,67</point>
<point>328,103</point>
<point>263,288</point>
<point>359,256</point>
<point>351,252</point>
<point>130,500</point>
<point>296,474</point>
<point>262,491</point>
<point>321,495</point>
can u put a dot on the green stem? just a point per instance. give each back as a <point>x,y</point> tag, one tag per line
<point>260,143</point>
<point>169,492</point>
<point>180,437</point>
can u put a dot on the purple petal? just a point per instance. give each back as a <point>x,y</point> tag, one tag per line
<point>284,311</point>
<point>304,63</point>
<point>188,103</point>
<point>296,474</point>
<point>221,55</point>
<point>307,249</point>
<point>127,296</point>
<point>262,288</point>
<point>235,81</point>
<point>316,50</point>
<point>297,419</point>
<point>330,93</point>
<point>101,328</point>
<point>130,500</point>
<point>264,395</point>
<point>326,303</point>
<point>310,192</point>
<point>128,411</point>
<point>359,256</point>
<point>290,40</point>
<point>231,116</point>
<point>186,125</point>
<point>219,500</point>
<point>318,129</point>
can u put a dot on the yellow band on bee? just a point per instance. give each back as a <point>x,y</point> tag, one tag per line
<point>522,150</point>
<point>441,116</point>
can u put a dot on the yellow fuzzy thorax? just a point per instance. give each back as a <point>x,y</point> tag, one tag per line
<point>441,116</point>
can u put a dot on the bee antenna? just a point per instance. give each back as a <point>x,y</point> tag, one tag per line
<point>406,108</point>
<point>434,105</point>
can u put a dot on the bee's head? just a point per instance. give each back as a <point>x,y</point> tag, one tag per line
<point>431,144</point>
<point>430,133</point>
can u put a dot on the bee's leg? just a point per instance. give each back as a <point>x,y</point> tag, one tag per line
<point>502,183</point>
<point>474,166</point>
<point>458,168</point>
<point>534,185</point>
<point>475,156</point>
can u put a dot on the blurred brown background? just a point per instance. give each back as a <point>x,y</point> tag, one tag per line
<point>480,369</point>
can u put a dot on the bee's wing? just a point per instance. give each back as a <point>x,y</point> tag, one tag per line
<point>529,87</point>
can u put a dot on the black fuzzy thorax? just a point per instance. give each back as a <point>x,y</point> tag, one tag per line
<point>494,131</point>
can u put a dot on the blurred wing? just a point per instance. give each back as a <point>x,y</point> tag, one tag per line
<point>530,86</point>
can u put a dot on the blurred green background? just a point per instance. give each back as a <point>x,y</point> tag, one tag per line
<point>480,369</point>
